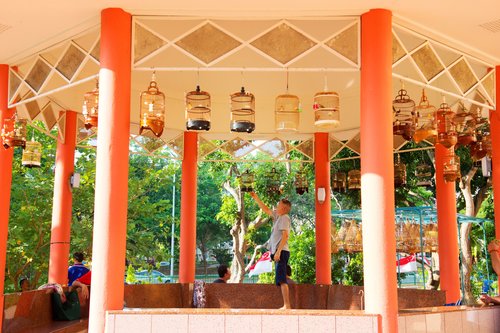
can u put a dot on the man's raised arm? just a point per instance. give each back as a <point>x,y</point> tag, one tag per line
<point>261,205</point>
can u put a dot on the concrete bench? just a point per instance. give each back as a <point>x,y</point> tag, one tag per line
<point>31,311</point>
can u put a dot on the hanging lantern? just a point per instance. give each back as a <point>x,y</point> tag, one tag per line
<point>301,185</point>
<point>152,109</point>
<point>198,107</point>
<point>399,172</point>
<point>326,106</point>
<point>404,119</point>
<point>339,182</point>
<point>354,180</point>
<point>287,108</point>
<point>426,120</point>
<point>14,132</point>
<point>90,109</point>
<point>465,126</point>
<point>273,181</point>
<point>242,112</point>
<point>447,134</point>
<point>451,166</point>
<point>246,181</point>
<point>423,172</point>
<point>32,154</point>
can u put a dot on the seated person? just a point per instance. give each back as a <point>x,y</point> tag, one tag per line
<point>494,250</point>
<point>77,269</point>
<point>24,284</point>
<point>83,282</point>
<point>224,274</point>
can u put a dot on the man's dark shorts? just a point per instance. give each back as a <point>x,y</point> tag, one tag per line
<point>281,267</point>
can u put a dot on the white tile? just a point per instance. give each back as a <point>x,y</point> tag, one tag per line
<point>132,323</point>
<point>110,323</point>
<point>353,324</point>
<point>401,324</point>
<point>434,322</point>
<point>470,321</point>
<point>206,323</point>
<point>317,324</point>
<point>453,322</point>
<point>280,324</point>
<point>172,323</point>
<point>243,323</point>
<point>416,324</point>
<point>486,321</point>
<point>375,322</point>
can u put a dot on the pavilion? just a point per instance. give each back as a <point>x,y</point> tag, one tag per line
<point>363,54</point>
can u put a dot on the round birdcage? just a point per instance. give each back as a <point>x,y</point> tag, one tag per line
<point>465,126</point>
<point>354,180</point>
<point>426,120</point>
<point>287,113</point>
<point>90,108</point>
<point>152,109</point>
<point>326,106</point>
<point>480,148</point>
<point>301,185</point>
<point>242,112</point>
<point>451,166</point>
<point>404,119</point>
<point>339,182</point>
<point>14,132</point>
<point>246,181</point>
<point>399,172</point>
<point>32,154</point>
<point>198,109</point>
<point>447,133</point>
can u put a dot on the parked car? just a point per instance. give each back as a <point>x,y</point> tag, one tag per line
<point>145,277</point>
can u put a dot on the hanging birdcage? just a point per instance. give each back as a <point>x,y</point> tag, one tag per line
<point>242,112</point>
<point>90,108</point>
<point>354,180</point>
<point>198,108</point>
<point>342,233</point>
<point>273,181</point>
<point>32,154</point>
<point>451,166</point>
<point>301,185</point>
<point>246,181</point>
<point>339,182</point>
<point>423,173</point>
<point>14,132</point>
<point>404,119</point>
<point>287,116</point>
<point>481,147</point>
<point>465,126</point>
<point>333,238</point>
<point>400,236</point>
<point>152,109</point>
<point>426,120</point>
<point>399,172</point>
<point>430,237</point>
<point>326,106</point>
<point>447,134</point>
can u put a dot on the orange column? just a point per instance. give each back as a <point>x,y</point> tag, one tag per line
<point>187,261</point>
<point>323,210</point>
<point>377,170</point>
<point>62,203</point>
<point>446,205</point>
<point>111,192</point>
<point>495,159</point>
<point>6,156</point>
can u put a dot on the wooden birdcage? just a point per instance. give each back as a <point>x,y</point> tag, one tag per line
<point>287,113</point>
<point>273,181</point>
<point>399,172</point>
<point>423,173</point>
<point>404,119</point>
<point>339,182</point>
<point>246,181</point>
<point>354,180</point>
<point>326,106</point>
<point>465,126</point>
<point>451,166</point>
<point>198,110</point>
<point>242,112</point>
<point>14,132</point>
<point>90,108</point>
<point>447,133</point>
<point>426,120</point>
<point>152,109</point>
<point>301,185</point>
<point>32,154</point>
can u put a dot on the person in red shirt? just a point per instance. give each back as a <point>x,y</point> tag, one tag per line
<point>83,282</point>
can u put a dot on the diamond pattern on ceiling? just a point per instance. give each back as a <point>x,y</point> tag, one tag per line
<point>463,75</point>
<point>428,62</point>
<point>283,43</point>
<point>70,62</point>
<point>149,142</point>
<point>274,147</point>
<point>355,144</point>
<point>335,146</point>
<point>398,51</point>
<point>346,43</point>
<point>238,147</point>
<point>38,75</point>
<point>208,43</point>
<point>145,42</point>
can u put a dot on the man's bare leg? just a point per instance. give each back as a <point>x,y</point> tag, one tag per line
<point>285,292</point>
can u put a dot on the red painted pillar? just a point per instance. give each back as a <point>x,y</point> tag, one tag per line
<point>62,203</point>
<point>495,159</point>
<point>446,204</point>
<point>111,192</point>
<point>323,210</point>
<point>187,261</point>
<point>6,156</point>
<point>377,169</point>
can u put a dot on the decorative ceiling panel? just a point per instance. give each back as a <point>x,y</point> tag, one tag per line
<point>427,61</point>
<point>145,42</point>
<point>38,74</point>
<point>346,43</point>
<point>463,75</point>
<point>70,62</point>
